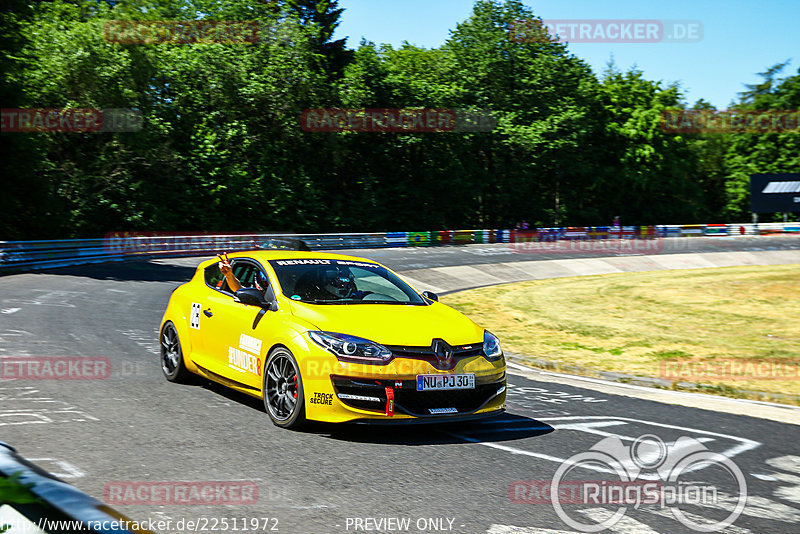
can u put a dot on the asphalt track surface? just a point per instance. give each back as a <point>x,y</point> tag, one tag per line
<point>136,427</point>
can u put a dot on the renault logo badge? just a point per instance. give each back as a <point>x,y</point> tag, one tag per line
<point>443,352</point>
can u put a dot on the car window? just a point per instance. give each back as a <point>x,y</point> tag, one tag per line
<point>245,272</point>
<point>369,281</point>
<point>323,281</point>
<point>214,276</point>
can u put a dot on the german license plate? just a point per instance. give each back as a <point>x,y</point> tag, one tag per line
<point>440,382</point>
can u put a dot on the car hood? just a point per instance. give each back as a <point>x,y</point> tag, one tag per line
<point>391,324</point>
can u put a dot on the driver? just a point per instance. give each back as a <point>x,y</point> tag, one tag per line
<point>260,281</point>
<point>332,282</point>
<point>339,282</point>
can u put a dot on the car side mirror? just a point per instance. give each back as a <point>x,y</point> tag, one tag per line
<point>430,295</point>
<point>269,298</point>
<point>250,296</point>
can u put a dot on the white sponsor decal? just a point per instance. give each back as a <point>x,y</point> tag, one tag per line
<point>442,410</point>
<point>243,362</point>
<point>356,263</point>
<point>194,320</point>
<point>303,262</point>
<point>250,344</point>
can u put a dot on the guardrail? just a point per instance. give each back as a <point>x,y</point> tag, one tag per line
<point>122,246</point>
<point>18,256</point>
<point>664,230</point>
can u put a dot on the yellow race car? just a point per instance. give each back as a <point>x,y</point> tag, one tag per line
<point>328,337</point>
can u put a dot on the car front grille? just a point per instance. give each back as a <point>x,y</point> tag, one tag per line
<point>371,395</point>
<point>427,354</point>
<point>421,403</point>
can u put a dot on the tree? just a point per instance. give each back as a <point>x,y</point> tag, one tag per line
<point>756,153</point>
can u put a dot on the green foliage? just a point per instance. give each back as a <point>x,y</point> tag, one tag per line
<point>12,491</point>
<point>221,148</point>
<point>765,152</point>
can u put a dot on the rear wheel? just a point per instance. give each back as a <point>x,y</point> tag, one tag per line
<point>172,355</point>
<point>283,389</point>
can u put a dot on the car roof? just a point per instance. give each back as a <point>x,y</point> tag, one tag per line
<point>267,255</point>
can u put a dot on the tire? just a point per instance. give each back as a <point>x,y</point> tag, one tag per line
<point>282,390</point>
<point>172,364</point>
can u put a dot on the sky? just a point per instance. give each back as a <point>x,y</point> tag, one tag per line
<point>740,38</point>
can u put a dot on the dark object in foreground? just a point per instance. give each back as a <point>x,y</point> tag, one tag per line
<point>40,501</point>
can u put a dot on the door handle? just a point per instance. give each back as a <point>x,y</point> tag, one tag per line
<point>208,312</point>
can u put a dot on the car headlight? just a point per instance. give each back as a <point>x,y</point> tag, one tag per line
<point>491,346</point>
<point>351,348</point>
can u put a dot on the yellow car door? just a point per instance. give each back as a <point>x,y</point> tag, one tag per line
<point>236,348</point>
<point>202,329</point>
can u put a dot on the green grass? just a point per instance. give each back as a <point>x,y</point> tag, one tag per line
<point>638,322</point>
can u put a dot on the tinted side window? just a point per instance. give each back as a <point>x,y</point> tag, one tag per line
<point>213,276</point>
<point>245,272</point>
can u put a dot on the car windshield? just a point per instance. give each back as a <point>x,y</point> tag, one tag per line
<point>324,281</point>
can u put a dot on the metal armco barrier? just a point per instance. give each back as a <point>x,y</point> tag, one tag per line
<point>125,246</point>
<point>716,230</point>
<point>693,230</point>
<point>581,233</point>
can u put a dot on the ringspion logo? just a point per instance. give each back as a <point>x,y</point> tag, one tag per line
<point>647,473</point>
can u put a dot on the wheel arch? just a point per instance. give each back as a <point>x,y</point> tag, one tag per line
<point>177,312</point>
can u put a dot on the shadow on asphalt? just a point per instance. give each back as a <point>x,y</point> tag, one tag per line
<point>233,396</point>
<point>137,271</point>
<point>503,427</point>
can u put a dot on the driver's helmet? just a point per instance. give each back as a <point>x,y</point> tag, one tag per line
<point>338,281</point>
<point>260,281</point>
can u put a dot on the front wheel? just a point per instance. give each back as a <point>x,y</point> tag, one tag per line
<point>283,389</point>
<point>172,356</point>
